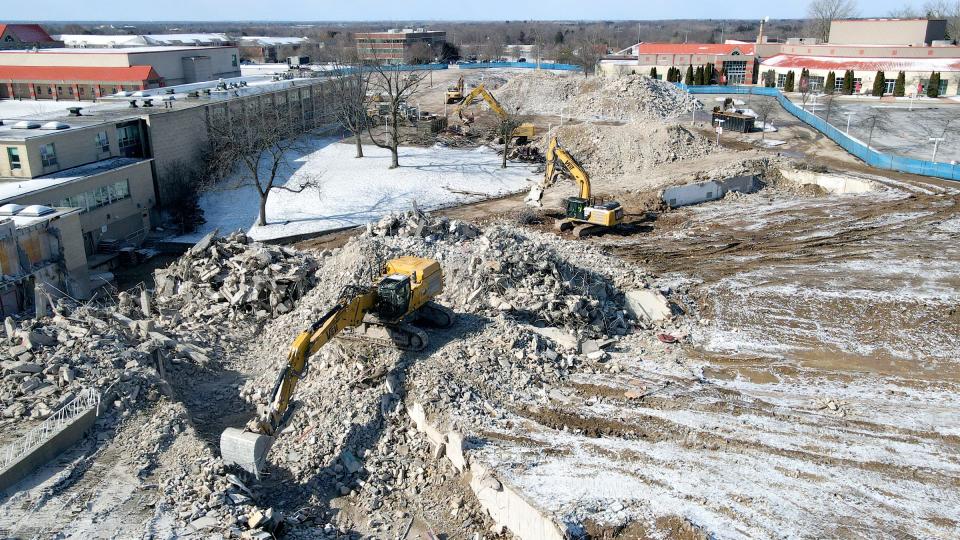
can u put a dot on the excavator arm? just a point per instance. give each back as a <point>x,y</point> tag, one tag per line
<point>558,156</point>
<point>348,312</point>
<point>481,92</point>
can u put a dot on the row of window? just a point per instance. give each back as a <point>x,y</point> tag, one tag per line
<point>48,152</point>
<point>816,84</point>
<point>96,198</point>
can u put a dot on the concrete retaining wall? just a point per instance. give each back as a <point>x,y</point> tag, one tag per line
<point>505,504</point>
<point>710,190</point>
<point>832,183</point>
<point>60,441</point>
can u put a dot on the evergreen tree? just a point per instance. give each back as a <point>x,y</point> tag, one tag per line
<point>558,38</point>
<point>708,74</point>
<point>788,84</point>
<point>933,85</point>
<point>848,82</point>
<point>688,78</point>
<point>698,78</point>
<point>879,84</point>
<point>770,79</point>
<point>831,83</point>
<point>653,72</point>
<point>900,87</point>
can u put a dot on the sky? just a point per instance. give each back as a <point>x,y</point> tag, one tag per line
<point>366,10</point>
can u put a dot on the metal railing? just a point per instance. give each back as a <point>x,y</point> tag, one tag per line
<point>87,399</point>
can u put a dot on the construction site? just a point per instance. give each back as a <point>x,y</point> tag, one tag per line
<point>642,327</point>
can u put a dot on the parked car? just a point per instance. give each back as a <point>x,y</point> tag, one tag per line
<point>521,59</point>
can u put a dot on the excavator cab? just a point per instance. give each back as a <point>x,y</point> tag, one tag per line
<point>576,207</point>
<point>393,297</point>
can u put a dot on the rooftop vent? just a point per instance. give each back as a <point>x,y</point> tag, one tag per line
<point>74,111</point>
<point>10,209</point>
<point>26,124</point>
<point>55,126</point>
<point>36,210</point>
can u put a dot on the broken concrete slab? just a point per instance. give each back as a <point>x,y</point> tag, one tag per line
<point>648,304</point>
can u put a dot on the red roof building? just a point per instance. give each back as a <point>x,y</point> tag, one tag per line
<point>73,82</point>
<point>25,36</point>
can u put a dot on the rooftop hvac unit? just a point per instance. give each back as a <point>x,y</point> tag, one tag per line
<point>36,210</point>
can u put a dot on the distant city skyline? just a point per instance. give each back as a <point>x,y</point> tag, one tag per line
<point>378,10</point>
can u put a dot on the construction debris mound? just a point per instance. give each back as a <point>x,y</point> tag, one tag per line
<point>630,148</point>
<point>630,98</point>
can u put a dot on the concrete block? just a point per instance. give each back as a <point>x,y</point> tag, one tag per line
<point>648,304</point>
<point>26,367</point>
<point>204,523</point>
<point>454,450</point>
<point>419,417</point>
<point>511,510</point>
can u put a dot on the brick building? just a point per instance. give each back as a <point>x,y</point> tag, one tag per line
<point>26,36</point>
<point>391,46</point>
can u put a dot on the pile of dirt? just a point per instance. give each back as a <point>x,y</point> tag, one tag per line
<point>630,98</point>
<point>630,148</point>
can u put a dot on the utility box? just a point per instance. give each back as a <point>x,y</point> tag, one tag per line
<point>297,61</point>
<point>734,121</point>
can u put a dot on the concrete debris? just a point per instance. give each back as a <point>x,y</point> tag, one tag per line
<point>226,278</point>
<point>631,98</point>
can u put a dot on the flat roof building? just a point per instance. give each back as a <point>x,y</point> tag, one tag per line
<point>88,74</point>
<point>123,41</point>
<point>391,46</point>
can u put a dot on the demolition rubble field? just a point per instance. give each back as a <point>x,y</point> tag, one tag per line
<point>781,363</point>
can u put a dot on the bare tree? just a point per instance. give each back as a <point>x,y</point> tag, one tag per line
<point>419,53</point>
<point>396,88</point>
<point>588,52</point>
<point>821,12</point>
<point>905,12</point>
<point>349,86</point>
<point>765,109</point>
<point>255,141</point>
<point>945,9</point>
<point>493,47</point>
<point>505,129</point>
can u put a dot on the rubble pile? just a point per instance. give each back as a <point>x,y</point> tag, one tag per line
<point>232,277</point>
<point>629,148</point>
<point>630,98</point>
<point>414,223</point>
<point>46,362</point>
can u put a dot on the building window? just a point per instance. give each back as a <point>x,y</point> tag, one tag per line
<point>234,60</point>
<point>815,84</point>
<point>857,84</point>
<point>13,155</point>
<point>128,139</point>
<point>838,84</point>
<point>96,198</point>
<point>103,142</point>
<point>48,155</point>
<point>781,80</point>
<point>888,85</point>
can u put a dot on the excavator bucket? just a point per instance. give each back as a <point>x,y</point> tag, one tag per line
<point>245,449</point>
<point>535,195</point>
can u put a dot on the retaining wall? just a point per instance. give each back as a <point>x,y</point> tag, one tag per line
<point>833,183</point>
<point>710,190</point>
<point>880,160</point>
<point>51,448</point>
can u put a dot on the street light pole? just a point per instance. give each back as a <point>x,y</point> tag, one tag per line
<point>849,116</point>
<point>936,145</point>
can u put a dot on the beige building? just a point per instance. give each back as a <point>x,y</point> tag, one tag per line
<point>913,32</point>
<point>391,46</point>
<point>40,253</point>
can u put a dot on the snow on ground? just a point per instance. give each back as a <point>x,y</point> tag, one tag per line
<point>356,191</point>
<point>13,108</point>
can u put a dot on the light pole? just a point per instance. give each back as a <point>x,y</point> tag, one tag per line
<point>936,145</point>
<point>719,129</point>
<point>693,115</point>
<point>849,116</point>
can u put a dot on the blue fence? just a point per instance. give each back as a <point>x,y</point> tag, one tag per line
<point>527,65</point>
<point>871,157</point>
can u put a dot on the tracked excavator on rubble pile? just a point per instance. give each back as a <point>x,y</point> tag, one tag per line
<point>583,214</point>
<point>384,313</point>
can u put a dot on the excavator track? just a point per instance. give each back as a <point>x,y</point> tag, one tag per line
<point>435,315</point>
<point>403,336</point>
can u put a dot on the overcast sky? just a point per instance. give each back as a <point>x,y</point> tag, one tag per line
<point>354,10</point>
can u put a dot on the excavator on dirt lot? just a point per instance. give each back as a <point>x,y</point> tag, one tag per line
<point>583,214</point>
<point>523,133</point>
<point>383,313</point>
<point>455,93</point>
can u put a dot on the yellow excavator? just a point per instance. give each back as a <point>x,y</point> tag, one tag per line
<point>583,214</point>
<point>455,93</point>
<point>383,313</point>
<point>522,133</point>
